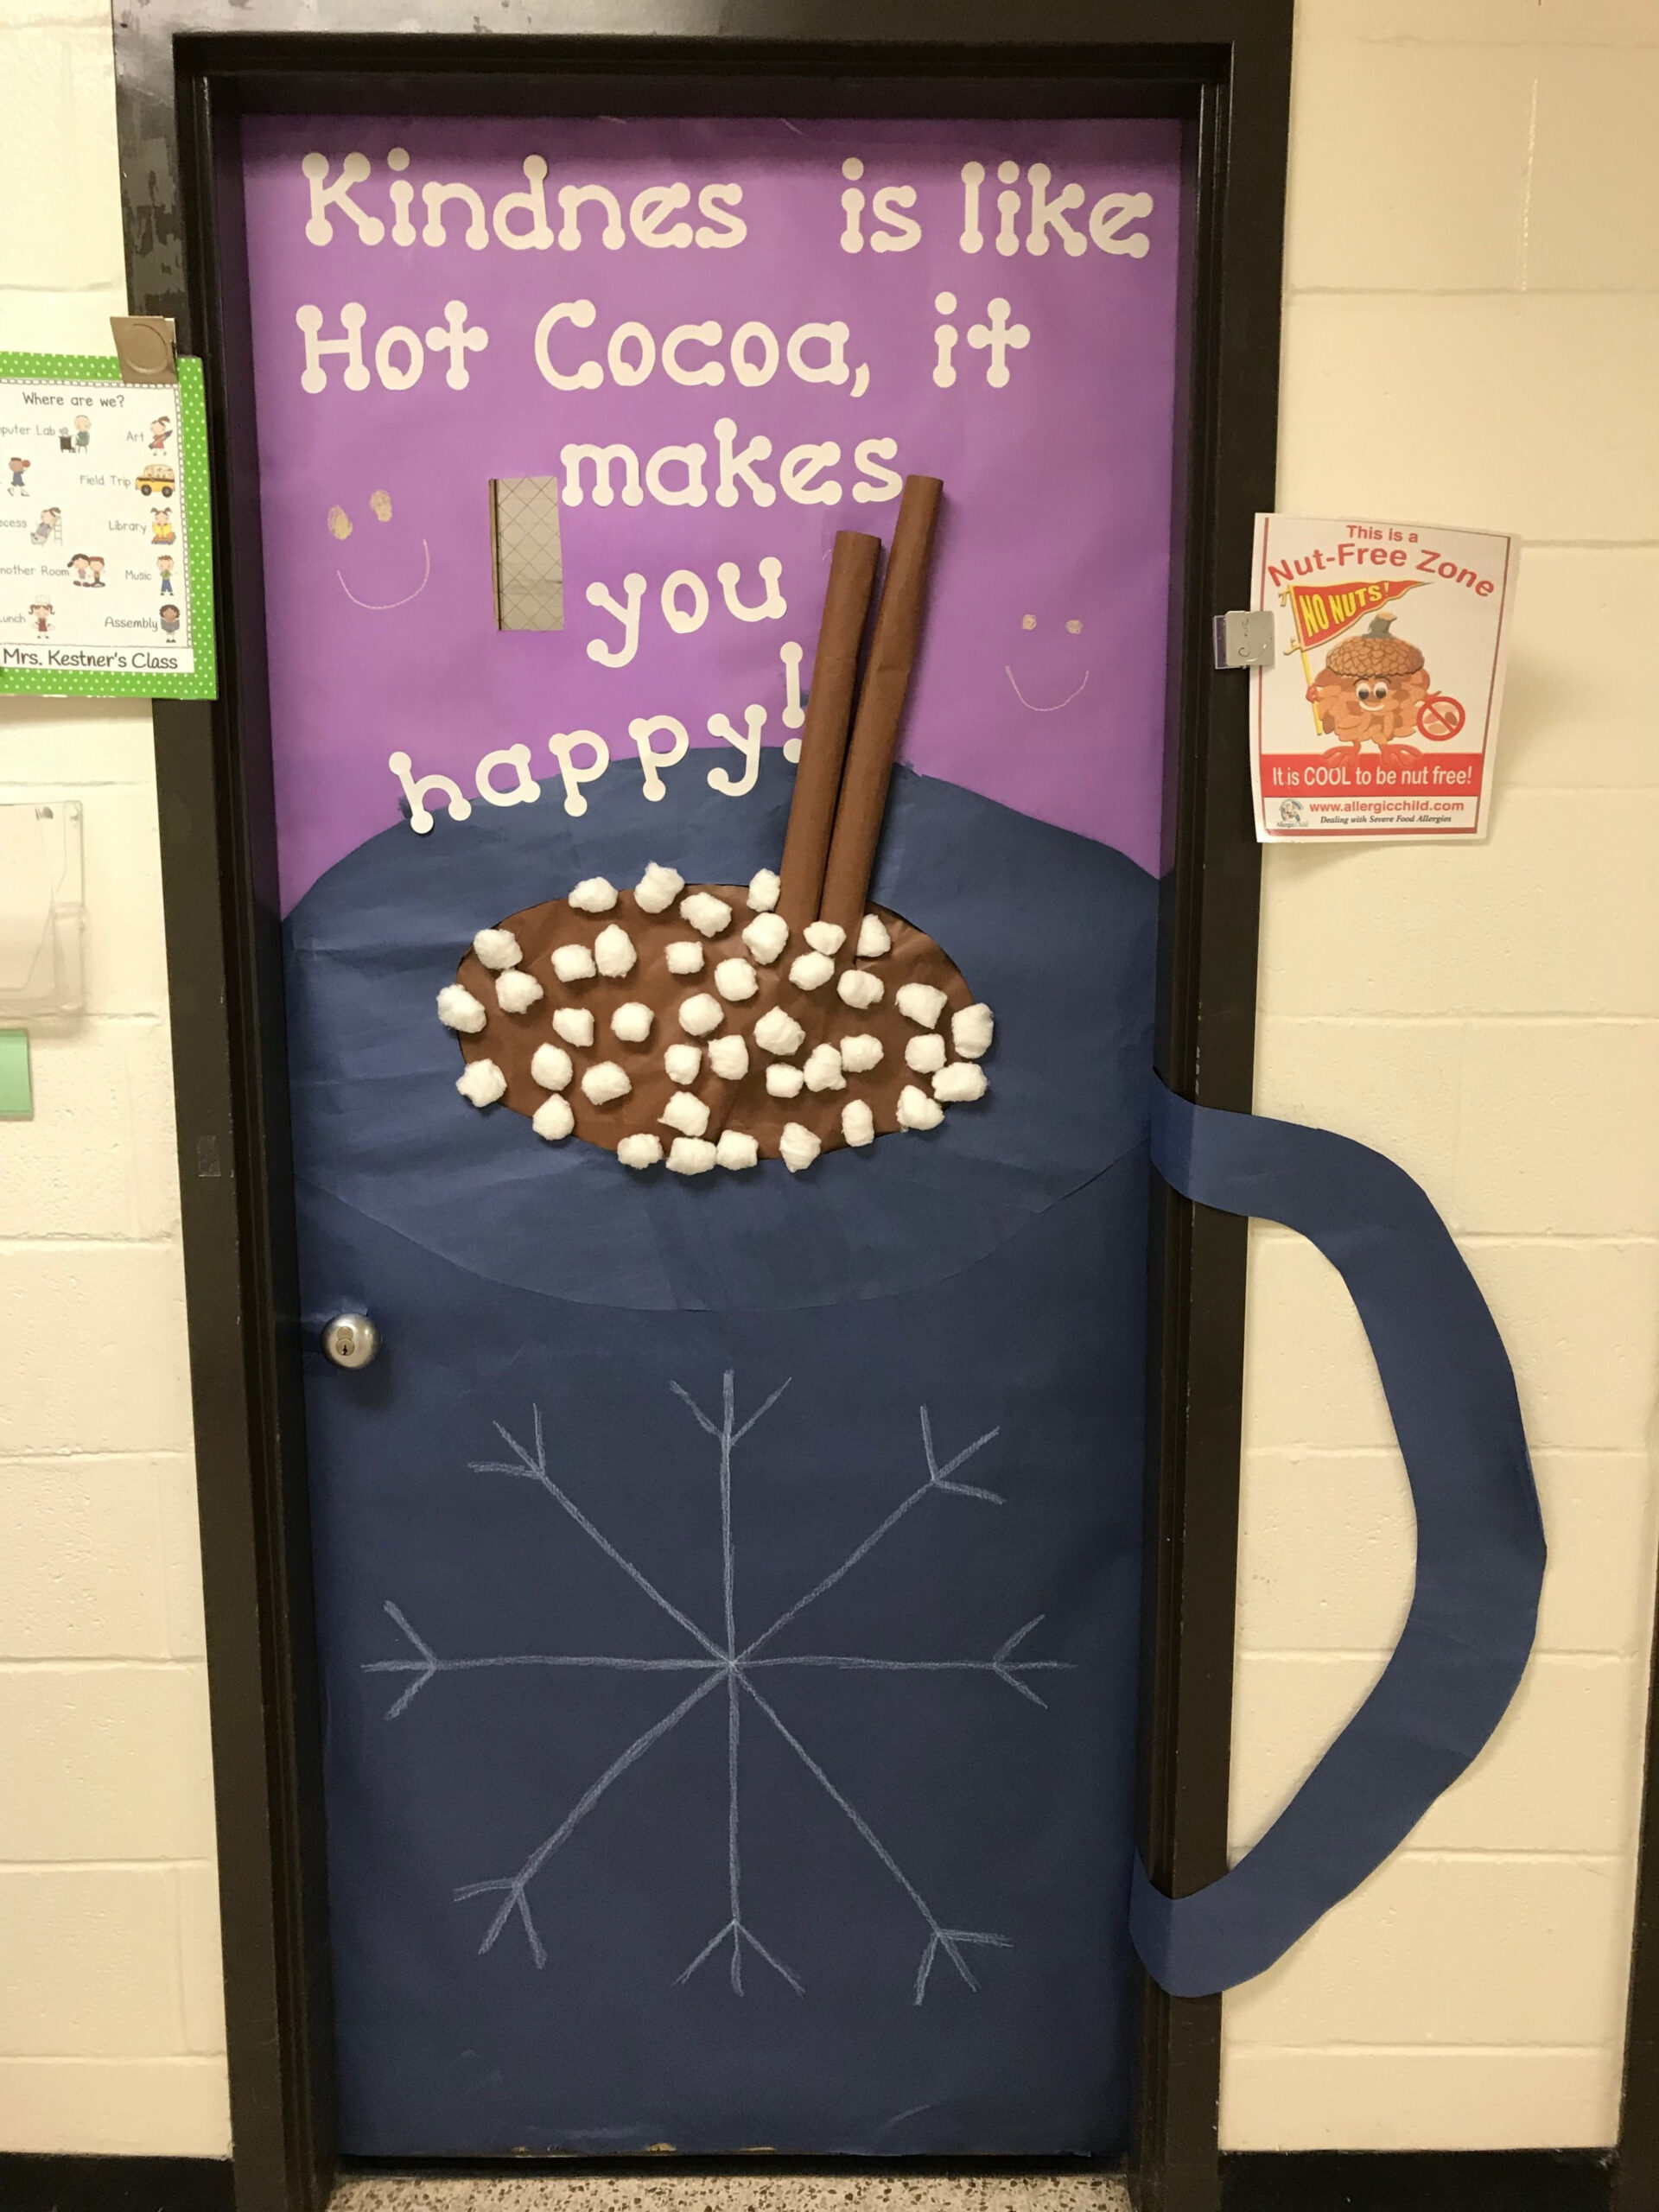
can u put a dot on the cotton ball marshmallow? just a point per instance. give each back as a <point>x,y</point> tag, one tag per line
<point>764,888</point>
<point>766,937</point>
<point>811,971</point>
<point>515,992</point>
<point>497,948</point>
<point>459,1009</point>
<point>959,1082</point>
<point>860,990</point>
<point>707,915</point>
<point>613,952</point>
<point>916,1110</point>
<point>700,1013</point>
<point>971,1031</point>
<point>925,1054</point>
<point>550,1067</point>
<point>656,892</point>
<point>735,979</point>
<point>824,1068</point>
<point>920,1003</point>
<point>783,1081</point>
<point>860,1054</point>
<point>682,1064</point>
<point>641,1151</point>
<point>572,963</point>
<point>797,1147</point>
<point>553,1118</point>
<point>632,1022</point>
<point>603,1082</point>
<point>736,1150</point>
<point>593,895</point>
<point>873,938</point>
<point>857,1123</point>
<point>481,1082</point>
<point>825,936</point>
<point>685,956</point>
<point>729,1059</point>
<point>576,1024</point>
<point>686,1113</point>
<point>691,1156</point>
<point>780,1033</point>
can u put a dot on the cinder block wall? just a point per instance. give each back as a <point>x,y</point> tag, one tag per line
<point>1472,324</point>
<point>1471,333</point>
<point>111,2034</point>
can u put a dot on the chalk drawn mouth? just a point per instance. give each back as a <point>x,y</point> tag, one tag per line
<point>1032,704</point>
<point>385,606</point>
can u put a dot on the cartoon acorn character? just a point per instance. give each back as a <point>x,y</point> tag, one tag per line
<point>1369,691</point>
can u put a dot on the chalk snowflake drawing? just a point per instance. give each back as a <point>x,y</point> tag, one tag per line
<point>721,1663</point>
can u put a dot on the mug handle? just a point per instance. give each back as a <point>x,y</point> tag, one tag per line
<point>1480,1538</point>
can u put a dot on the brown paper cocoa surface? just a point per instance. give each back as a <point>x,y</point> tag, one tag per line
<point>511,1040</point>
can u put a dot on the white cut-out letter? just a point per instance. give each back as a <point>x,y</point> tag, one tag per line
<point>1000,337</point>
<point>532,201</point>
<point>794,712</point>
<point>525,787</point>
<point>800,464</point>
<point>415,788</point>
<point>715,201</point>
<point>754,373</point>
<point>353,170</point>
<point>602,457</point>
<point>832,334</point>
<point>627,614</point>
<point>589,376</point>
<point>973,175</point>
<point>733,465</point>
<point>393,377</point>
<point>884,484</point>
<point>572,197</point>
<point>451,336</point>
<point>901,232</point>
<point>748,744</point>
<point>403,196</point>
<point>624,372</point>
<point>694,492</point>
<point>649,207</point>
<point>436,197</point>
<point>315,377</point>
<point>1107,216</point>
<point>642,730</point>
<point>682,620</point>
<point>771,608</point>
<point>1048,214</point>
<point>692,333</point>
<point>562,746</point>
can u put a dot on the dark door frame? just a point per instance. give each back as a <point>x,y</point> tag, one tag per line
<point>1222,66</point>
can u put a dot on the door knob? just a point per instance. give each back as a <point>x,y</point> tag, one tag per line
<point>351,1340</point>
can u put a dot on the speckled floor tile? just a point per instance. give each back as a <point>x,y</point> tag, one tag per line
<point>545,2192</point>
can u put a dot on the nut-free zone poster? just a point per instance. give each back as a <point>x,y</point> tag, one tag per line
<point>727,1575</point>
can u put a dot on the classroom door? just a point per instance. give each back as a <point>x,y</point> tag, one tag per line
<point>727,1582</point>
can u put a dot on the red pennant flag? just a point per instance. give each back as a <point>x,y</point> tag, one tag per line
<point>1322,610</point>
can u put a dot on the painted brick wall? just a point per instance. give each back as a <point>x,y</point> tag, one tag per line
<point>1473,312</point>
<point>111,2034</point>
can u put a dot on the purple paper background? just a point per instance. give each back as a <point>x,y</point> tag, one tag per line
<point>1058,485</point>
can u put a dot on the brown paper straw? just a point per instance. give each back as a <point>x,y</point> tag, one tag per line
<point>881,708</point>
<point>823,734</point>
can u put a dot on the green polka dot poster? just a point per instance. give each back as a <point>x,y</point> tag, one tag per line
<point>106,584</point>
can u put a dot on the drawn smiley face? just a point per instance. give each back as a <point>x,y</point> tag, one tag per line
<point>383,567</point>
<point>1051,667</point>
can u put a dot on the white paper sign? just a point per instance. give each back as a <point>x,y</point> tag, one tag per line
<point>105,569</point>
<point>1378,716</point>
